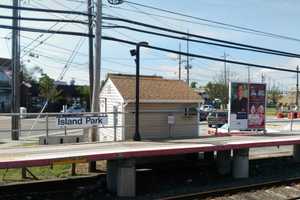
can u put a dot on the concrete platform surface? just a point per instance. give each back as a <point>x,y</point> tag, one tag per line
<point>13,157</point>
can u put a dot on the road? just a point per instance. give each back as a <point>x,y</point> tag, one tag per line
<point>31,129</point>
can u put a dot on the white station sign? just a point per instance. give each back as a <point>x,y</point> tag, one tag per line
<point>81,121</point>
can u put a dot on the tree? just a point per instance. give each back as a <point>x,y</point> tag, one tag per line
<point>193,84</point>
<point>48,90</point>
<point>274,95</point>
<point>217,90</point>
<point>84,93</point>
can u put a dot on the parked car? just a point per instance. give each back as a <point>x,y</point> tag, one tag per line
<point>217,118</point>
<point>202,115</point>
<point>74,109</point>
<point>207,108</point>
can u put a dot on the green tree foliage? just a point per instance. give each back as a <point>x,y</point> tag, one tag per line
<point>217,90</point>
<point>194,84</point>
<point>84,92</point>
<point>48,90</point>
<point>274,95</point>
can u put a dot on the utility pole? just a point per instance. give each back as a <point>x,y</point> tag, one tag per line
<point>179,63</point>
<point>96,73</point>
<point>188,67</point>
<point>262,78</point>
<point>91,52</point>
<point>249,74</point>
<point>297,88</point>
<point>225,68</point>
<point>15,123</point>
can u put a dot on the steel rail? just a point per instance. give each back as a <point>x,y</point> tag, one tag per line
<point>233,190</point>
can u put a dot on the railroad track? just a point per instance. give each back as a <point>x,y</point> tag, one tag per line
<point>283,189</point>
<point>61,188</point>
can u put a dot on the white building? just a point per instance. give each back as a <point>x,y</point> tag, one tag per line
<point>167,108</point>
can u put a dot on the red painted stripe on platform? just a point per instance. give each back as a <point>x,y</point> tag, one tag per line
<point>146,153</point>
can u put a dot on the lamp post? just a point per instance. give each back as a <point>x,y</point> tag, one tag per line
<point>136,52</point>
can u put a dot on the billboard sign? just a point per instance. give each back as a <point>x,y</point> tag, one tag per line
<point>247,106</point>
<point>257,106</point>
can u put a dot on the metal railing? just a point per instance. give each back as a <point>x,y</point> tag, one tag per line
<point>119,126</point>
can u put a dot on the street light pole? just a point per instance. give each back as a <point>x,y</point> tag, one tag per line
<point>136,52</point>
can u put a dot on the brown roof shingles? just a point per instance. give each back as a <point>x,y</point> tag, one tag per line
<point>154,88</point>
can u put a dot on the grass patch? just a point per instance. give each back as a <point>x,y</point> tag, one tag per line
<point>271,111</point>
<point>14,175</point>
<point>47,172</point>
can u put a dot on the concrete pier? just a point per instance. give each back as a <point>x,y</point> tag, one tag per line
<point>240,163</point>
<point>296,152</point>
<point>121,175</point>
<point>224,162</point>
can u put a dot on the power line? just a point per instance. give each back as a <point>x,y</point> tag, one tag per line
<point>27,29</point>
<point>52,45</point>
<point>43,10</point>
<point>200,56</point>
<point>46,7</point>
<point>197,41</point>
<point>197,36</point>
<point>215,22</point>
<point>44,19</point>
<point>192,22</point>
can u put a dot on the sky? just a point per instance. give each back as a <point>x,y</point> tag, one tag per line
<point>273,16</point>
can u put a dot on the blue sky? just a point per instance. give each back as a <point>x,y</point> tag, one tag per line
<point>275,16</point>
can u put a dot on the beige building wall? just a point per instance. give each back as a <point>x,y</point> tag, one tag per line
<point>154,125</point>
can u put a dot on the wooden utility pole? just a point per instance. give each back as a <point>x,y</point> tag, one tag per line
<point>15,101</point>
<point>97,75</point>
<point>91,50</point>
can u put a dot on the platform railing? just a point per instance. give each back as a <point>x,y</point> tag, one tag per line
<point>167,122</point>
<point>36,125</point>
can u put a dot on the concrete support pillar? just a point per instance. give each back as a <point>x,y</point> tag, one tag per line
<point>240,163</point>
<point>126,178</point>
<point>224,162</point>
<point>111,175</point>
<point>296,152</point>
<point>121,175</point>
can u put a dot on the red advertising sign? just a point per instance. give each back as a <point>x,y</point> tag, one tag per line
<point>257,103</point>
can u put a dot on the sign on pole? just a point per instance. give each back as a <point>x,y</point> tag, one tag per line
<point>81,121</point>
<point>247,103</point>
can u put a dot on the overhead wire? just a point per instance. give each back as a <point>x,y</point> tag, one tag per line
<point>200,56</point>
<point>196,35</point>
<point>214,22</point>
<point>197,41</point>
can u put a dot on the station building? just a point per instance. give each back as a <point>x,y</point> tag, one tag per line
<point>168,108</point>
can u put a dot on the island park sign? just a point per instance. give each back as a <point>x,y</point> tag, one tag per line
<point>81,121</point>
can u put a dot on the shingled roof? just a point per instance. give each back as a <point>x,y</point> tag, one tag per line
<point>154,89</point>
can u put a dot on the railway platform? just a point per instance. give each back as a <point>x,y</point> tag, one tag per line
<point>232,154</point>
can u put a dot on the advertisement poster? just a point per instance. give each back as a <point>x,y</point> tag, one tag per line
<point>257,101</point>
<point>238,113</point>
<point>247,106</point>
